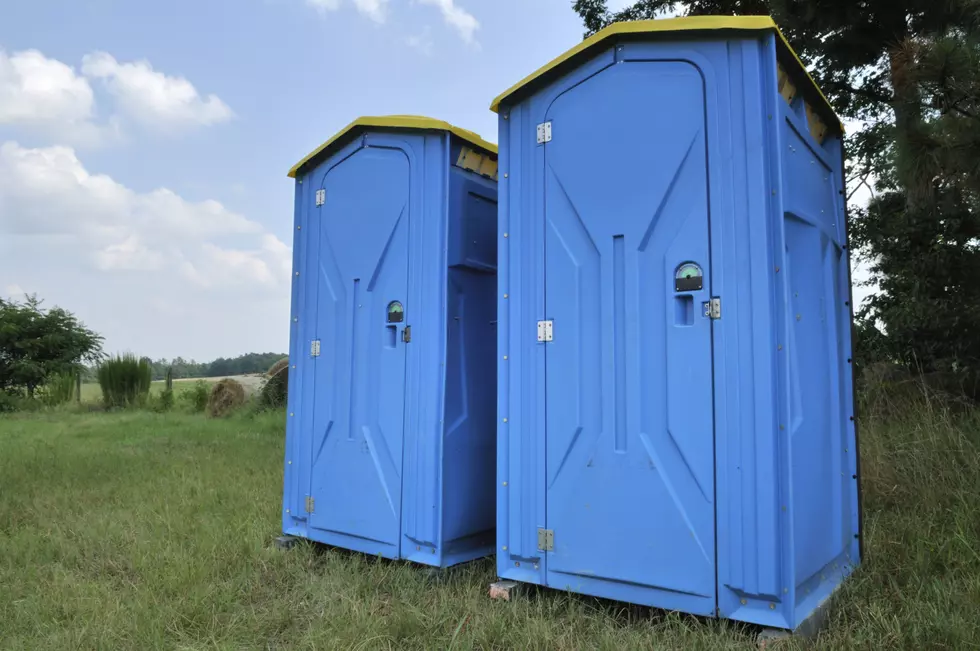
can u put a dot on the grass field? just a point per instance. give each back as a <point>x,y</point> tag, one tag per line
<point>136,530</point>
<point>92,393</point>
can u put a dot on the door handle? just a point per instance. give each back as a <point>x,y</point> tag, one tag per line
<point>407,334</point>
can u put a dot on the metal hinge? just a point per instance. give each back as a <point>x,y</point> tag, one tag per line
<point>546,330</point>
<point>407,334</point>
<point>315,348</point>
<point>546,540</point>
<point>544,132</point>
<point>712,308</point>
<point>321,197</point>
<point>310,504</point>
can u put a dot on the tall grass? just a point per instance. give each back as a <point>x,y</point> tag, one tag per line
<point>125,380</point>
<point>59,388</point>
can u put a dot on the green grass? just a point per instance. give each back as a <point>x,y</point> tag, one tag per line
<point>136,530</point>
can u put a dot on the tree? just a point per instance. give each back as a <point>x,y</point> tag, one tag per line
<point>35,343</point>
<point>907,70</point>
<point>925,232</point>
<point>241,365</point>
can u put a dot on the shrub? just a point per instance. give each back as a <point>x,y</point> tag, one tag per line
<point>125,380</point>
<point>226,396</point>
<point>196,397</point>
<point>10,402</point>
<point>166,400</point>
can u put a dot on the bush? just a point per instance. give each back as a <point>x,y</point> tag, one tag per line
<point>166,400</point>
<point>226,396</point>
<point>125,380</point>
<point>196,397</point>
<point>10,402</point>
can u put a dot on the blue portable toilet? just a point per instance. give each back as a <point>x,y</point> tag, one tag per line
<point>675,394</point>
<point>390,439</point>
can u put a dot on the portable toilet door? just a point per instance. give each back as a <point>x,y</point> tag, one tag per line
<point>390,434</point>
<point>675,395</point>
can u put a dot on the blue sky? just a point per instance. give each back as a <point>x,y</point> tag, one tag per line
<point>144,145</point>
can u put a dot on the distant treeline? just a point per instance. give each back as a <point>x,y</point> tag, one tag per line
<point>244,364</point>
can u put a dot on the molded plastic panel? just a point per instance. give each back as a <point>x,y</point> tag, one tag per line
<point>471,380</point>
<point>628,483</point>
<point>473,239</point>
<point>359,412</point>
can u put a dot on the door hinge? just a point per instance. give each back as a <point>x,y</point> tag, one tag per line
<point>546,540</point>
<point>546,330</point>
<point>321,197</point>
<point>712,308</point>
<point>315,348</point>
<point>544,132</point>
<point>407,334</point>
<point>310,504</point>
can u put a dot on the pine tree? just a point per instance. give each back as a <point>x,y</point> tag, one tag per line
<point>924,229</point>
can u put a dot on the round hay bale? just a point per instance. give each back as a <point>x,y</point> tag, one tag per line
<point>278,366</point>
<point>276,387</point>
<point>226,396</point>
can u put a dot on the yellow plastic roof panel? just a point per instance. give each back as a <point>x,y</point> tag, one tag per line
<point>662,27</point>
<point>394,122</point>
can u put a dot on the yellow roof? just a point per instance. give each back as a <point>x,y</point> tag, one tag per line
<point>396,122</point>
<point>684,24</point>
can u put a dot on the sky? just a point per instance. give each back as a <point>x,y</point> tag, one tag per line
<point>144,145</point>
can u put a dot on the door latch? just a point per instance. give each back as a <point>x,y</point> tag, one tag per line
<point>407,334</point>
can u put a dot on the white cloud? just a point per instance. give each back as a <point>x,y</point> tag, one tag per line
<point>132,262</point>
<point>376,10</point>
<point>458,18</point>
<point>421,42</point>
<point>373,9</point>
<point>455,16</point>
<point>324,5</point>
<point>48,96</point>
<point>153,98</point>
<point>34,88</point>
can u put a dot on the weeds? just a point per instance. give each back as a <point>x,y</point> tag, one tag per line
<point>59,388</point>
<point>196,396</point>
<point>125,380</point>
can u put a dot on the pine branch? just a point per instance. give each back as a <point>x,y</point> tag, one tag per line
<point>843,87</point>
